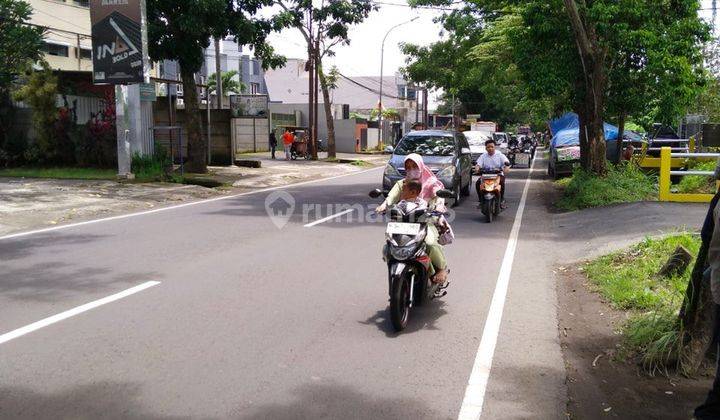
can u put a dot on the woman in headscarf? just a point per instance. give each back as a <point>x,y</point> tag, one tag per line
<point>415,169</point>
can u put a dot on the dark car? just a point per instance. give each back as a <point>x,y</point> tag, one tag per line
<point>446,153</point>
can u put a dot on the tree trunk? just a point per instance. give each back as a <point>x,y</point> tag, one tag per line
<point>696,314</point>
<point>595,88</point>
<point>196,145</point>
<point>621,133</point>
<point>592,57</point>
<point>328,114</point>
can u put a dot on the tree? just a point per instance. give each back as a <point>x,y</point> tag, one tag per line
<point>20,46</point>
<point>577,55</point>
<point>324,28</point>
<point>229,83</point>
<point>180,30</point>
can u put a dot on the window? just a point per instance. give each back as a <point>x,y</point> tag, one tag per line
<point>254,88</point>
<point>83,3</point>
<point>55,49</point>
<point>85,53</point>
<point>426,145</point>
<point>251,68</point>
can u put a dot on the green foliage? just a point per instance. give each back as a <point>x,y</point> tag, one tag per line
<point>20,44</point>
<point>698,183</point>
<point>152,168</point>
<point>624,183</point>
<point>229,83</point>
<point>40,93</point>
<point>59,173</point>
<point>387,114</point>
<point>628,280</point>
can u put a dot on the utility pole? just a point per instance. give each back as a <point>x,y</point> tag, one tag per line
<point>382,59</point>
<point>417,105</point>
<point>316,96</point>
<point>218,74</point>
<point>425,108</point>
<point>311,78</point>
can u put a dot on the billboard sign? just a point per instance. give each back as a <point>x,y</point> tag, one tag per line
<point>249,106</point>
<point>119,41</point>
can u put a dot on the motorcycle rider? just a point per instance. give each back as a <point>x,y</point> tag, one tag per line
<point>492,160</point>
<point>416,171</point>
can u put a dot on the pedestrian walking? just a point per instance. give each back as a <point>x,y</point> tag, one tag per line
<point>710,409</point>
<point>288,139</point>
<point>273,144</point>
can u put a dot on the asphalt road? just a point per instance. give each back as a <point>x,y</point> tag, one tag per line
<point>252,321</point>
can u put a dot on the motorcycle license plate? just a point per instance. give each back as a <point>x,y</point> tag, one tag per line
<point>397,228</point>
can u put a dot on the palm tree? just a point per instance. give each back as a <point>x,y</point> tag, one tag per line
<point>229,83</point>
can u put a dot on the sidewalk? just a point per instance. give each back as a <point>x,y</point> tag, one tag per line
<point>27,204</point>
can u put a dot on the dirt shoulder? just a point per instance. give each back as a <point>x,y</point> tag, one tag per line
<point>27,204</point>
<point>599,383</point>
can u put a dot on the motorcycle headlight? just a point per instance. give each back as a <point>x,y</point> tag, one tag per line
<point>447,172</point>
<point>403,253</point>
<point>391,171</point>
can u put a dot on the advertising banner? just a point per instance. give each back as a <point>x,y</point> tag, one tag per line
<point>119,41</point>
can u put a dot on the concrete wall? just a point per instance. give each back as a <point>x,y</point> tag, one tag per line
<point>250,134</point>
<point>220,133</point>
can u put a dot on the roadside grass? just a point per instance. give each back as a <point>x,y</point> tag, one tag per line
<point>60,173</point>
<point>696,183</point>
<point>623,184</point>
<point>628,280</point>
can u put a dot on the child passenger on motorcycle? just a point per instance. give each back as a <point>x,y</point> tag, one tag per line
<point>417,174</point>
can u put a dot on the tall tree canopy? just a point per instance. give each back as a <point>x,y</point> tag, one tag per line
<point>603,59</point>
<point>20,46</point>
<point>180,30</point>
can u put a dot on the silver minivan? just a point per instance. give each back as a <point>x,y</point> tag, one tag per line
<point>446,153</point>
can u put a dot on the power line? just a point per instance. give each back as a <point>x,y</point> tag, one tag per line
<point>367,87</point>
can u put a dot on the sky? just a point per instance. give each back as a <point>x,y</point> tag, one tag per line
<point>362,56</point>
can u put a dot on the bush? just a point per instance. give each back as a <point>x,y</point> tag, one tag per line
<point>697,183</point>
<point>152,168</point>
<point>624,183</point>
<point>628,280</point>
<point>40,92</point>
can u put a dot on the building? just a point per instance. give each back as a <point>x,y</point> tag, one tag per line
<point>67,42</point>
<point>289,85</point>
<point>249,69</point>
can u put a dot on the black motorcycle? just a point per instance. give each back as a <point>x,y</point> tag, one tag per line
<point>409,281</point>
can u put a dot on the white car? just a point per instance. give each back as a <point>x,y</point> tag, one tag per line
<point>476,140</point>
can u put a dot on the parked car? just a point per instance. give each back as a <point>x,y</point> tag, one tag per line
<point>476,140</point>
<point>446,153</point>
<point>501,141</point>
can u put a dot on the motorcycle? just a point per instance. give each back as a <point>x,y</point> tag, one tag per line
<point>491,189</point>
<point>409,281</point>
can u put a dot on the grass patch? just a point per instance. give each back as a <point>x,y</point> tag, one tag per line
<point>628,280</point>
<point>60,173</point>
<point>622,184</point>
<point>360,162</point>
<point>698,184</point>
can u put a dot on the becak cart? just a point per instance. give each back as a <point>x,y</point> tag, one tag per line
<point>299,148</point>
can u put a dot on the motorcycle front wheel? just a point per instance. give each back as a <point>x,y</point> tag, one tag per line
<point>400,303</point>
<point>488,210</point>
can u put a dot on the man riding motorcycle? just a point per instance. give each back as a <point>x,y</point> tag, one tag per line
<point>492,160</point>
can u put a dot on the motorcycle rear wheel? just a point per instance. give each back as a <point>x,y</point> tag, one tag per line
<point>400,303</point>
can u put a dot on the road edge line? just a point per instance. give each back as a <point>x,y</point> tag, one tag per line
<point>19,332</point>
<point>193,203</point>
<point>474,398</point>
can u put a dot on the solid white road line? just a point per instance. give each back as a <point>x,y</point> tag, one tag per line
<point>325,219</point>
<point>74,311</point>
<point>194,203</point>
<point>472,404</point>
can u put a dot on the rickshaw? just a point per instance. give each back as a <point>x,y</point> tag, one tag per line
<point>299,148</point>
